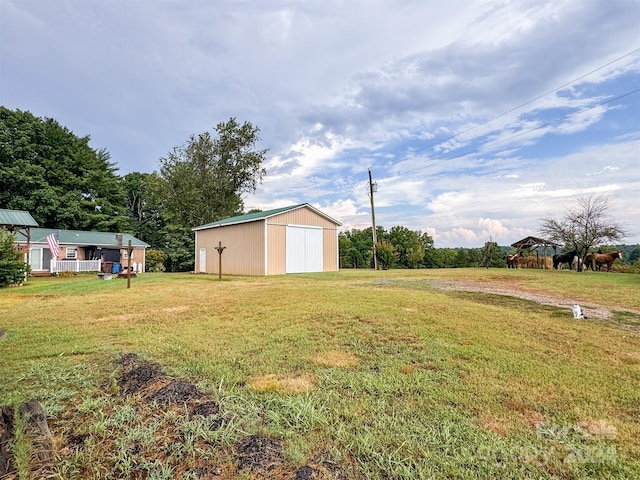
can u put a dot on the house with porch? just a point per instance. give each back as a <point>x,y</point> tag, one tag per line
<point>50,251</point>
<point>81,251</point>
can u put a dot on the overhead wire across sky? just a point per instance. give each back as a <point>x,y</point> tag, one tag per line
<point>511,110</point>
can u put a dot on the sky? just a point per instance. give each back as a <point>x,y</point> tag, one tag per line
<point>476,118</point>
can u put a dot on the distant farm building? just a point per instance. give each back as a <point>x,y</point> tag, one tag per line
<point>533,247</point>
<point>295,239</point>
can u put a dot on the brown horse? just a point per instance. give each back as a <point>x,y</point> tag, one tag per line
<point>512,260</point>
<point>602,259</point>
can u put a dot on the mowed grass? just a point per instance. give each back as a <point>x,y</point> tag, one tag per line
<point>358,374</point>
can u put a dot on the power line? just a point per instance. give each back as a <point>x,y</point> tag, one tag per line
<point>440,142</point>
<point>519,134</point>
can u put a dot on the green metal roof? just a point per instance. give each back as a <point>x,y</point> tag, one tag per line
<point>17,218</point>
<point>78,237</point>
<point>252,217</point>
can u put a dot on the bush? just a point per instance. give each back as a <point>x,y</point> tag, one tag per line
<point>386,254</point>
<point>13,270</point>
<point>155,260</point>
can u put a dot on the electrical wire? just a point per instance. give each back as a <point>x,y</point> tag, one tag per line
<point>525,132</point>
<point>564,85</point>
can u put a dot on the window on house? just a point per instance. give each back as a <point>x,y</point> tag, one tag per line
<point>72,253</point>
<point>125,254</point>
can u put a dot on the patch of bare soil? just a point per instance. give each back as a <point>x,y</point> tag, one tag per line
<point>149,391</point>
<point>146,379</point>
<point>591,310</point>
<point>259,453</point>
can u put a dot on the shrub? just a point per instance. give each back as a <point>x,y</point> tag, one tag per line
<point>155,260</point>
<point>13,270</point>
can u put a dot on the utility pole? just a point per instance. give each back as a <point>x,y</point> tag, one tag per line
<point>129,253</point>
<point>372,188</point>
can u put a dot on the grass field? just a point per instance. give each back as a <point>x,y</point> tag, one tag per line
<point>357,374</point>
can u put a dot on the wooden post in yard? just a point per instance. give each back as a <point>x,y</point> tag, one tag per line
<point>220,248</point>
<point>129,251</point>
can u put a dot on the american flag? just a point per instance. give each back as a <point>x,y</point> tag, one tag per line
<point>54,246</point>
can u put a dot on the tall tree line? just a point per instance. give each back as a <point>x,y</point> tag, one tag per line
<point>401,247</point>
<point>65,183</point>
<point>56,176</point>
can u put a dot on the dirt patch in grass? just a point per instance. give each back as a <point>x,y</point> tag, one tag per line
<point>258,453</point>
<point>561,307</point>
<point>152,417</point>
<point>294,384</point>
<point>493,424</point>
<point>335,358</point>
<point>206,409</point>
<point>146,379</point>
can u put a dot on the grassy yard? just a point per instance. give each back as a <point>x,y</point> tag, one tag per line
<point>357,374</point>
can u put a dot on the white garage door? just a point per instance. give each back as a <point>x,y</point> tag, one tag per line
<point>304,249</point>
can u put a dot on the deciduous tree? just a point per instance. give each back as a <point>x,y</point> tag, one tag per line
<point>203,181</point>
<point>584,226</point>
<point>407,245</point>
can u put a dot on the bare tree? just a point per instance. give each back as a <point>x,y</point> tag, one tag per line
<point>585,226</point>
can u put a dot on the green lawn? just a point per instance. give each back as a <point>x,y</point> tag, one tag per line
<point>355,374</point>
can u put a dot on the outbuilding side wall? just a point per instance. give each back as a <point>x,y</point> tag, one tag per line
<point>244,252</point>
<point>276,248</point>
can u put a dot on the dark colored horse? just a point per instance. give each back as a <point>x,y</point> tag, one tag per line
<point>602,259</point>
<point>512,260</point>
<point>561,258</point>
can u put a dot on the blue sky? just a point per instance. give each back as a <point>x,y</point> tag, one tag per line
<point>477,117</point>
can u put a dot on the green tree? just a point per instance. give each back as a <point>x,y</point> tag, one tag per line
<point>358,248</point>
<point>155,260</point>
<point>56,176</point>
<point>584,226</point>
<point>461,258</point>
<point>203,181</point>
<point>429,258</point>
<point>386,254</point>
<point>349,256</point>
<point>147,219</point>
<point>491,255</point>
<point>407,245</point>
<point>12,266</point>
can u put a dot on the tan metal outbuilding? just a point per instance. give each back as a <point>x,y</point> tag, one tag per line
<point>294,239</point>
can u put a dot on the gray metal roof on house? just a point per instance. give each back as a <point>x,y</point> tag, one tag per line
<point>252,217</point>
<point>16,218</point>
<point>79,237</point>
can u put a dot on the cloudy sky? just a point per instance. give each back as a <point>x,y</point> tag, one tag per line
<point>476,117</point>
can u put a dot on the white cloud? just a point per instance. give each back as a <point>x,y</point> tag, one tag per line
<point>460,118</point>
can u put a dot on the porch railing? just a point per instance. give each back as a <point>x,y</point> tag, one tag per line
<point>75,266</point>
